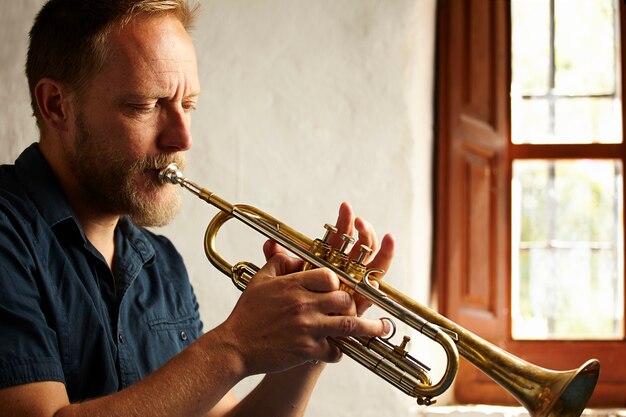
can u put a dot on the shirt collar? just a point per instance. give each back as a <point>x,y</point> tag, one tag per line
<point>137,239</point>
<point>43,188</point>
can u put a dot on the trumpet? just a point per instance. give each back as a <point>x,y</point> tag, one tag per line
<point>543,392</point>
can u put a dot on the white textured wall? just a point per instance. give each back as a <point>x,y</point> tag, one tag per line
<point>305,103</point>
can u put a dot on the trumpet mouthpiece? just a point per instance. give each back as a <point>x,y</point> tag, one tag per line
<point>171,174</point>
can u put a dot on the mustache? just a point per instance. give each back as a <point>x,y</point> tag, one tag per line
<point>158,162</point>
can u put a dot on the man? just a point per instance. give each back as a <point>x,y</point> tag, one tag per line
<point>98,316</point>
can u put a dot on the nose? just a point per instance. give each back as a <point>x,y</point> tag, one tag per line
<point>176,131</point>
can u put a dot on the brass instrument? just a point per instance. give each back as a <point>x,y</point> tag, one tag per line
<point>543,392</point>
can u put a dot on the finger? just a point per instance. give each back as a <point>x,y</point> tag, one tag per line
<point>318,280</point>
<point>383,258</point>
<point>355,326</point>
<point>367,237</point>
<point>332,353</point>
<point>326,351</point>
<point>281,264</point>
<point>336,303</point>
<point>362,303</point>
<point>271,248</point>
<point>344,224</point>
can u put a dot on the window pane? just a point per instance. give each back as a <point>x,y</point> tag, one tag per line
<point>585,46</point>
<point>601,119</point>
<point>565,64</point>
<point>567,264</point>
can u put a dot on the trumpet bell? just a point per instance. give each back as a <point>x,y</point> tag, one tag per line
<point>562,394</point>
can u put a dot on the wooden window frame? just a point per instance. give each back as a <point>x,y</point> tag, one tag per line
<point>473,156</point>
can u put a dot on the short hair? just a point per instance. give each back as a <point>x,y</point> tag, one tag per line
<point>68,38</point>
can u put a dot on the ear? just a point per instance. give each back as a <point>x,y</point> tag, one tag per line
<point>54,102</point>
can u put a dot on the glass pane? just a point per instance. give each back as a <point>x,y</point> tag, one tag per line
<point>565,87</point>
<point>540,125</point>
<point>567,240</point>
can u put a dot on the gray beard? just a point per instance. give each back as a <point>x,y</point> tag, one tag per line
<point>118,186</point>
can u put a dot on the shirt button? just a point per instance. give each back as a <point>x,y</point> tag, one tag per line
<point>120,337</point>
<point>183,336</point>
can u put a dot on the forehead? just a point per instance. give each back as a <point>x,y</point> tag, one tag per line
<point>154,52</point>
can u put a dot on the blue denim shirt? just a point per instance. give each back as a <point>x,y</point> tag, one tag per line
<point>63,316</point>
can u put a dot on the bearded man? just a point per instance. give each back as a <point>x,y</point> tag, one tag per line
<point>98,315</point>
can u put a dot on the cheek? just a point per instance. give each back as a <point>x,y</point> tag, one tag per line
<point>139,137</point>
<point>131,140</point>
<point>130,136</point>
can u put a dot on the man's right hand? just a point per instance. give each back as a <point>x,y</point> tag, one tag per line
<point>284,317</point>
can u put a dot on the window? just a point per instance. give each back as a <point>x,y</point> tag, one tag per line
<point>566,225</point>
<point>529,188</point>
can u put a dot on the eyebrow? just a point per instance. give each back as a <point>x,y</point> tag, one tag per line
<point>156,96</point>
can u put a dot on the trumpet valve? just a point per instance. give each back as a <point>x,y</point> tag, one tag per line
<point>347,241</point>
<point>319,248</point>
<point>365,252</point>
<point>330,229</point>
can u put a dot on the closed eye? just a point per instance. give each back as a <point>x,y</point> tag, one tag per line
<point>189,106</point>
<point>137,108</point>
<point>143,108</point>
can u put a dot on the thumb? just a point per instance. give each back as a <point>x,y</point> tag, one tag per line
<point>278,262</point>
<point>271,248</point>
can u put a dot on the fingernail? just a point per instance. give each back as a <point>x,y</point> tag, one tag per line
<point>386,327</point>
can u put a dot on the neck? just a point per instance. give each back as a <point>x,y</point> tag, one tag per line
<point>99,226</point>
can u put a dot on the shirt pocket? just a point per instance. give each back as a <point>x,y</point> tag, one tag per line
<point>182,329</point>
<point>170,335</point>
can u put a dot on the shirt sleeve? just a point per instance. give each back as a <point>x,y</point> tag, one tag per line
<point>28,345</point>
